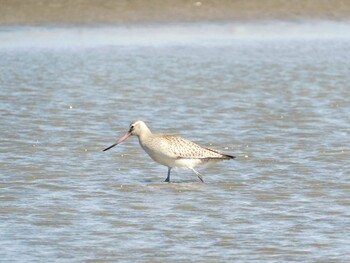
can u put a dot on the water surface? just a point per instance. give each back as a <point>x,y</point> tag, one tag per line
<point>276,95</point>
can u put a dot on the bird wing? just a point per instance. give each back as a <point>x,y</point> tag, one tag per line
<point>184,149</point>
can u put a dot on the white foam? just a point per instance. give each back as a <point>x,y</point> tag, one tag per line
<point>170,34</point>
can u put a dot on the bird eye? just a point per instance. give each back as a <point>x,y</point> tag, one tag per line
<point>132,127</point>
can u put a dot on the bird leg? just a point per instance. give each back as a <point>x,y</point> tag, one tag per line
<point>198,174</point>
<point>168,178</point>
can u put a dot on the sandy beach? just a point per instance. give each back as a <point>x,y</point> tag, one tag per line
<point>44,12</point>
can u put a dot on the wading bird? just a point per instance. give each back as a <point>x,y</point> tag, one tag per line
<point>172,151</point>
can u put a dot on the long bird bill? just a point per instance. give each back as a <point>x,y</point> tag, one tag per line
<point>119,141</point>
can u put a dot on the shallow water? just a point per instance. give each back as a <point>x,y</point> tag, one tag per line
<point>278,101</point>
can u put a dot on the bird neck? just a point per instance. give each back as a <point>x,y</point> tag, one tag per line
<point>146,133</point>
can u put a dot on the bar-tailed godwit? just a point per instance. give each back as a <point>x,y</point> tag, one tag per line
<point>172,151</point>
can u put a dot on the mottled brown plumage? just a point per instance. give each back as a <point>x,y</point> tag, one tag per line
<point>183,148</point>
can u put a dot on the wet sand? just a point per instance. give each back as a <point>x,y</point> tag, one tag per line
<point>36,12</point>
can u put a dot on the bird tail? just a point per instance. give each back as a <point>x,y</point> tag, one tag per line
<point>221,155</point>
<point>228,157</point>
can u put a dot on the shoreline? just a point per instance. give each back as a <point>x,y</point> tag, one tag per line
<point>123,12</point>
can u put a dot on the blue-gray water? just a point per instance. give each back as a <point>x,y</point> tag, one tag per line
<point>276,95</point>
